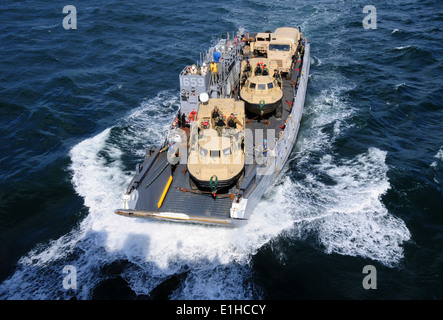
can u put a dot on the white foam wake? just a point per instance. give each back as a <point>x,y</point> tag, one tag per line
<point>437,165</point>
<point>352,217</point>
<point>439,157</point>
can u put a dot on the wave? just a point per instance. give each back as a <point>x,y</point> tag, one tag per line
<point>438,156</point>
<point>405,47</point>
<point>346,211</point>
<point>340,200</point>
<point>412,51</point>
<point>316,61</point>
<point>437,165</point>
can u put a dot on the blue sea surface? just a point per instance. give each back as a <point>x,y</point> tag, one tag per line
<point>363,185</point>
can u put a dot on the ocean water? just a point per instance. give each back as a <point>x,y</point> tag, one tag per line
<point>363,185</point>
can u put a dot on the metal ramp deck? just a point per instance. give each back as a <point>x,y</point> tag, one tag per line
<point>192,202</point>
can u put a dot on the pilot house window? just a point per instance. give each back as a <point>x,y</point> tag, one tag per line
<point>215,153</point>
<point>203,152</point>
<point>261,86</point>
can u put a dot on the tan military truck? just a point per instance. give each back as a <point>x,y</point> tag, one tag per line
<point>261,88</point>
<point>216,161</point>
<point>283,47</point>
<point>261,43</point>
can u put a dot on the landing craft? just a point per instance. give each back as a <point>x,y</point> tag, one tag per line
<point>214,169</point>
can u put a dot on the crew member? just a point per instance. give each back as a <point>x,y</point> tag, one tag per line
<point>247,67</point>
<point>173,154</point>
<point>303,45</point>
<point>215,113</point>
<point>258,70</point>
<point>204,69</point>
<point>265,71</point>
<point>233,121</point>
<point>265,148</point>
<point>214,71</point>
<point>194,69</point>
<point>219,125</point>
<point>277,77</point>
<point>243,79</point>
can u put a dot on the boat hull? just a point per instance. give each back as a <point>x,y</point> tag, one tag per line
<point>182,218</point>
<point>255,108</point>
<point>221,184</point>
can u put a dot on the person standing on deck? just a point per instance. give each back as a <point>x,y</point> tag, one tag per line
<point>258,69</point>
<point>303,44</point>
<point>214,71</point>
<point>247,69</point>
<point>215,113</point>
<point>220,125</point>
<point>265,148</point>
<point>194,70</point>
<point>233,122</point>
<point>204,69</point>
<point>173,155</point>
<point>277,77</point>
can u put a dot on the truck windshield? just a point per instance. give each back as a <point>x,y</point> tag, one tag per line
<point>279,47</point>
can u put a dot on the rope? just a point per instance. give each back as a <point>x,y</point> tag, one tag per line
<point>231,195</point>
